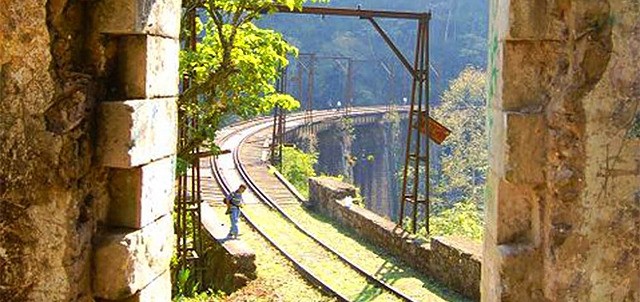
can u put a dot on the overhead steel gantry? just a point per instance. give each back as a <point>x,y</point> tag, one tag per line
<point>349,70</point>
<point>415,181</point>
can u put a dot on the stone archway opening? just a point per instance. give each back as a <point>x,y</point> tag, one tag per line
<point>562,213</point>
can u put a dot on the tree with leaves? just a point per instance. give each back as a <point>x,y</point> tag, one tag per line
<point>459,190</point>
<point>464,153</point>
<point>232,67</point>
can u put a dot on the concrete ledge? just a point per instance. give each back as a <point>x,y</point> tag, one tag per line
<point>141,195</point>
<point>230,264</point>
<point>159,17</point>
<point>455,262</point>
<point>126,262</point>
<point>136,132</point>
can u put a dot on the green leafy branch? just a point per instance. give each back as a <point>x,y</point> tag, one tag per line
<point>232,69</point>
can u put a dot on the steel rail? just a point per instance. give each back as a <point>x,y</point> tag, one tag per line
<point>274,205</point>
<point>226,188</point>
<point>304,271</point>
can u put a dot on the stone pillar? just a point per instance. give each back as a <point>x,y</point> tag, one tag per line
<point>371,171</point>
<point>334,150</point>
<point>137,136</point>
<point>562,213</point>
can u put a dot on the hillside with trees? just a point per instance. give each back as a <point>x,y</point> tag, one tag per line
<point>458,31</point>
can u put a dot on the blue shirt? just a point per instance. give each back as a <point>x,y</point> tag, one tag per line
<point>235,199</point>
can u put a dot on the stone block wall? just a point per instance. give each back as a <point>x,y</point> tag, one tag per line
<point>563,212</point>
<point>455,262</point>
<point>137,136</point>
<point>85,213</point>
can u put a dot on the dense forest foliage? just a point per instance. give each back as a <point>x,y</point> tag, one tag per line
<point>458,31</point>
<point>459,181</point>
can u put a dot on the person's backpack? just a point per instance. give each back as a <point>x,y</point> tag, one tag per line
<point>227,203</point>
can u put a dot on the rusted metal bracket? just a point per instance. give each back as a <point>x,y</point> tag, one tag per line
<point>393,46</point>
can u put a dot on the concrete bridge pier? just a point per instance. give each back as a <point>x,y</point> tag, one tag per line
<point>334,151</point>
<point>372,152</point>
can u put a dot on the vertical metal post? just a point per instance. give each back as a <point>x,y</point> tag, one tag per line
<point>418,142</point>
<point>281,137</point>
<point>188,198</point>
<point>310,86</point>
<point>425,74</point>
<point>416,156</point>
<point>299,82</point>
<point>277,133</point>
<point>350,92</point>
<point>274,138</point>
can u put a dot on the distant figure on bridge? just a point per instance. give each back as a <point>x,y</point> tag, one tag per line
<point>234,202</point>
<point>338,105</point>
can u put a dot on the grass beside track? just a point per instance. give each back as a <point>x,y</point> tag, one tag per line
<point>321,263</point>
<point>277,278</point>
<point>372,259</point>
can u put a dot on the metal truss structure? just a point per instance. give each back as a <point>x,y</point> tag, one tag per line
<point>415,181</point>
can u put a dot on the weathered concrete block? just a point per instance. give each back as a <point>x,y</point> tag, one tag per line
<point>158,290</point>
<point>148,66</point>
<point>529,67</point>
<point>328,190</point>
<point>535,19</point>
<point>518,214</point>
<point>126,262</point>
<point>141,195</point>
<point>496,125</point>
<point>517,283</point>
<point>525,148</point>
<point>137,132</point>
<point>158,17</point>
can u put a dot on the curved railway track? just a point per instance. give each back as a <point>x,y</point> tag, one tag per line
<point>247,130</point>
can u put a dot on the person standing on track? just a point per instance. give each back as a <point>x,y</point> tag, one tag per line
<point>234,202</point>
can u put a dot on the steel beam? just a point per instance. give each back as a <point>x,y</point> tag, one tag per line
<point>351,12</point>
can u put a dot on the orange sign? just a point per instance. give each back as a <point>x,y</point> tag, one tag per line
<point>437,132</point>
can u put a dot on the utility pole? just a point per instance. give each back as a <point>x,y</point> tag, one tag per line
<point>310,83</point>
<point>279,120</point>
<point>349,93</point>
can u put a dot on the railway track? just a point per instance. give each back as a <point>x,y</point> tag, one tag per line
<point>312,254</point>
<point>276,214</point>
